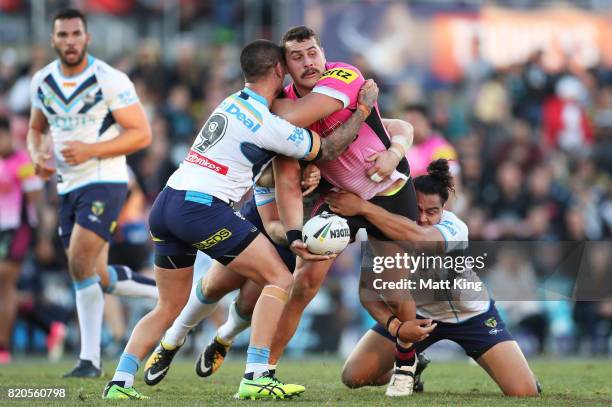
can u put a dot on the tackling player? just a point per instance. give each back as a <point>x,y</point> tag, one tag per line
<point>467,318</point>
<point>195,211</point>
<point>263,212</point>
<point>92,113</point>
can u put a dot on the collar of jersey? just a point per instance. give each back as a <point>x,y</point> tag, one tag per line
<point>90,60</point>
<point>256,96</point>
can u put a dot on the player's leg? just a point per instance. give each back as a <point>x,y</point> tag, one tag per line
<point>84,250</point>
<point>506,364</point>
<point>308,278</point>
<point>124,282</point>
<point>173,286</point>
<point>87,219</point>
<point>260,263</point>
<point>238,319</point>
<point>9,274</point>
<point>371,362</point>
<point>203,299</point>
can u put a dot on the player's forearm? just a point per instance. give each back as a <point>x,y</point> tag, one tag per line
<point>335,144</point>
<point>287,176</point>
<point>376,307</point>
<point>36,142</point>
<point>395,227</point>
<point>128,142</point>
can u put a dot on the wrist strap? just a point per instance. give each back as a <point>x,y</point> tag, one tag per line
<point>293,235</point>
<point>402,141</point>
<point>398,329</point>
<point>391,318</point>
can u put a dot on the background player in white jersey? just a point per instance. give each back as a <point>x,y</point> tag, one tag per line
<point>94,118</point>
<point>195,211</point>
<point>468,318</point>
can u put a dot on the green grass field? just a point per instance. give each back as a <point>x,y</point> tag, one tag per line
<point>566,383</point>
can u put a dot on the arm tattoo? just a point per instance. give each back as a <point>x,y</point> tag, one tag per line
<point>334,144</point>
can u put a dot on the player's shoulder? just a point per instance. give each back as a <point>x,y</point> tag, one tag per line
<point>42,73</point>
<point>341,71</point>
<point>454,225</point>
<point>106,72</point>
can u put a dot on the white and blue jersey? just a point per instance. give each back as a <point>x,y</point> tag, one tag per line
<point>452,305</point>
<point>235,144</point>
<point>80,108</point>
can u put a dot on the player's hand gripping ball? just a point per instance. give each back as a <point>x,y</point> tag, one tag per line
<point>326,234</point>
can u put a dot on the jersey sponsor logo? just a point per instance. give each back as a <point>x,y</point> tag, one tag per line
<point>72,122</point>
<point>343,74</point>
<point>194,158</point>
<point>212,131</point>
<point>69,84</point>
<point>234,110</point>
<point>127,97</point>
<point>209,242</point>
<point>297,137</point>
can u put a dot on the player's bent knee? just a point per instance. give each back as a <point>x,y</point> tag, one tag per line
<point>350,379</point>
<point>275,292</point>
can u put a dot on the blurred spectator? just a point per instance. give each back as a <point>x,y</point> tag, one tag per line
<point>565,121</point>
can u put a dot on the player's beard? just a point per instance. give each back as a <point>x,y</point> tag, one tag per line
<point>63,57</point>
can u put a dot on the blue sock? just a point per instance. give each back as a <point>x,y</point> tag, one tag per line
<point>257,362</point>
<point>126,369</point>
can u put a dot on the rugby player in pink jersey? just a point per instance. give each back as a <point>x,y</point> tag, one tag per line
<point>19,186</point>
<point>321,97</point>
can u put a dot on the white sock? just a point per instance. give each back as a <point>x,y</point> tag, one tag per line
<point>272,367</point>
<point>124,282</point>
<point>196,309</point>
<point>90,309</point>
<point>233,326</point>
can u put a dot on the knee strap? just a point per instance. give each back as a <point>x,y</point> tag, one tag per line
<point>276,292</point>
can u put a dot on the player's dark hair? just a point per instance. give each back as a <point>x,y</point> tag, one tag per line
<point>257,58</point>
<point>299,34</point>
<point>418,108</point>
<point>438,180</point>
<point>67,14</point>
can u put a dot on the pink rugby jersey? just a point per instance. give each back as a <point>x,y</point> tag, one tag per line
<point>16,178</point>
<point>349,171</point>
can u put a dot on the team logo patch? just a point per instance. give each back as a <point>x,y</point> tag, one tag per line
<point>343,74</point>
<point>491,322</point>
<point>213,240</point>
<point>97,208</point>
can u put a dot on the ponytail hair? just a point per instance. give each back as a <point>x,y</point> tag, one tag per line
<point>438,180</point>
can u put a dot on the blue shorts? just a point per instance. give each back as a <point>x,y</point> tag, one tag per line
<point>249,211</point>
<point>475,335</point>
<point>183,222</point>
<point>94,207</point>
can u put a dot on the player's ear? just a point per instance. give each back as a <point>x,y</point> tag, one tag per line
<point>279,70</point>
<point>88,36</point>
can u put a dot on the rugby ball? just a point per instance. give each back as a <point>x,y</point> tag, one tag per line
<point>326,234</point>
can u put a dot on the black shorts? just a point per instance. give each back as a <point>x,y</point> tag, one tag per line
<point>403,203</point>
<point>14,243</point>
<point>183,222</point>
<point>94,207</point>
<point>475,335</point>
